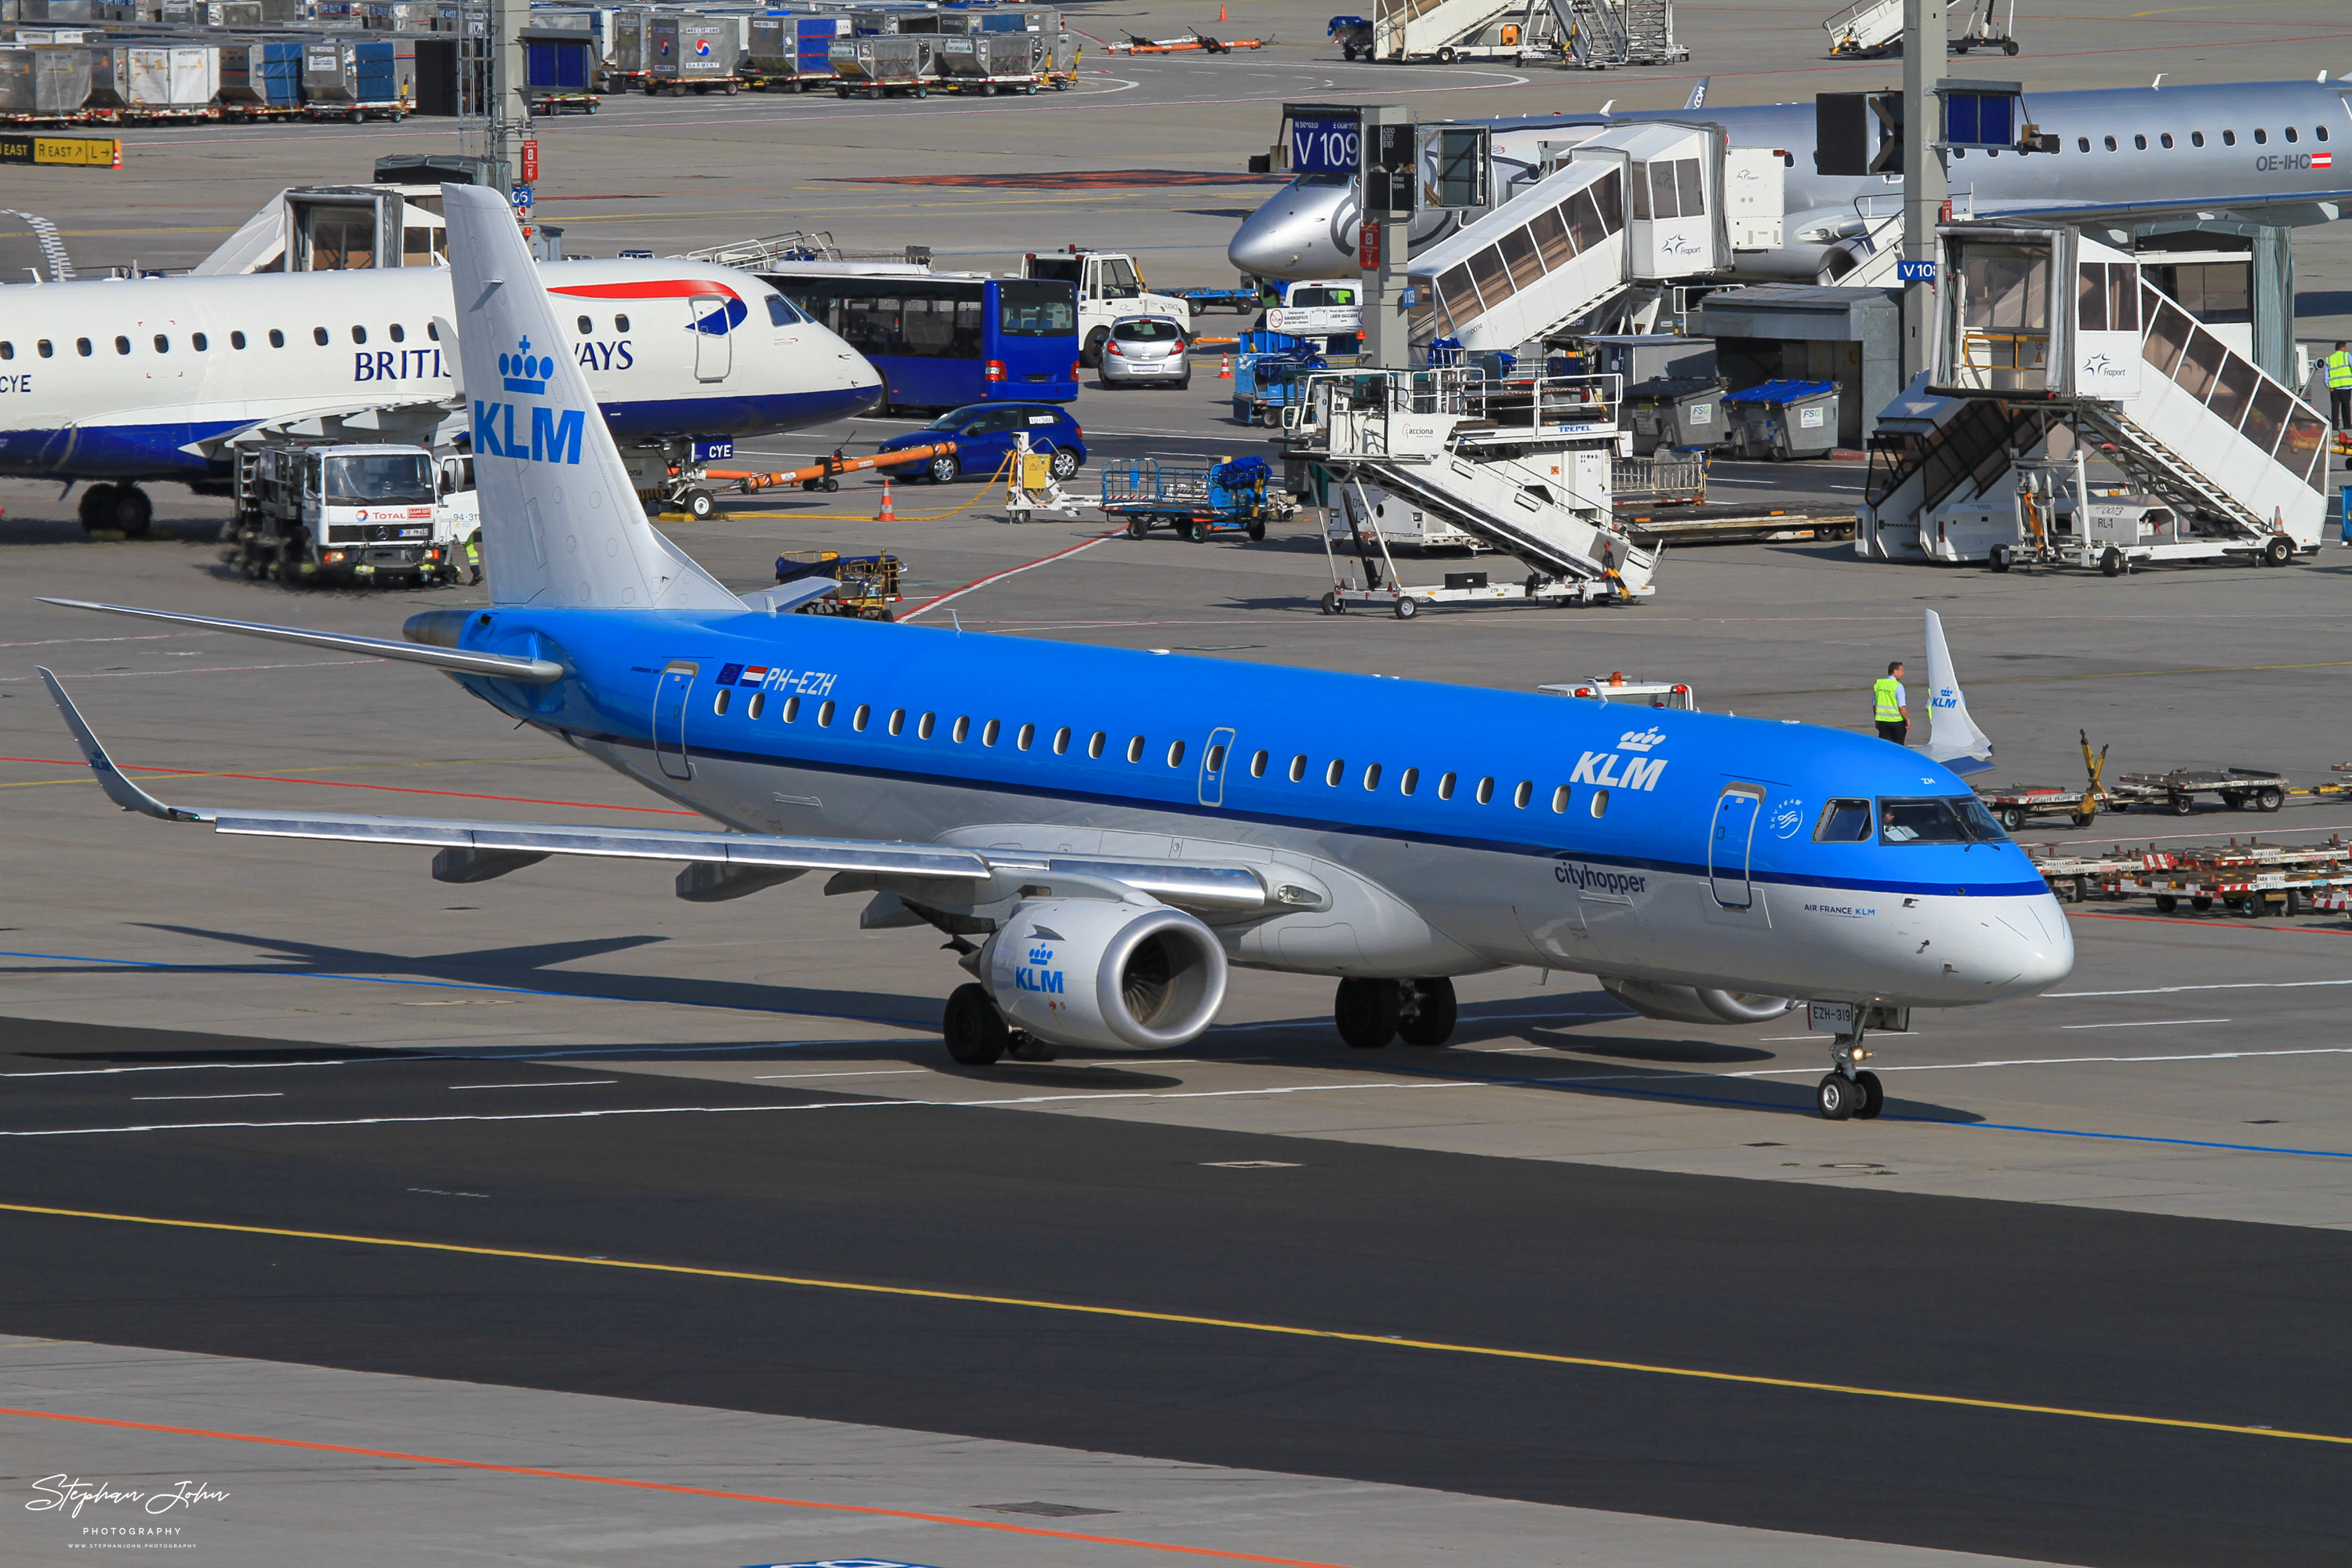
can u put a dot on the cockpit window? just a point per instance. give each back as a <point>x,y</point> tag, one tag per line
<point>1843,822</point>
<point>782,312</point>
<point>1962,820</point>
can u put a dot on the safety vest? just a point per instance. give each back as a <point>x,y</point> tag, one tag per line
<point>1890,707</point>
<point>2340,369</point>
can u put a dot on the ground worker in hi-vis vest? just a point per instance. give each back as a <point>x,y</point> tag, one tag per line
<point>2339,388</point>
<point>1893,714</point>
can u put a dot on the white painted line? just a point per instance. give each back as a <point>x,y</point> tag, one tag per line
<point>265,1094</point>
<point>708,1109</point>
<point>874,1072</point>
<point>2148,1022</point>
<point>178,1066</point>
<point>550,1083</point>
<point>1883,1067</point>
<point>2222,986</point>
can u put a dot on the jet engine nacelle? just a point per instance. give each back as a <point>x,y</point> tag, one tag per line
<point>1694,1004</point>
<point>1119,976</point>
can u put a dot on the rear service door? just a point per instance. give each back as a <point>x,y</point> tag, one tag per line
<point>1729,840</point>
<point>714,345</point>
<point>669,717</point>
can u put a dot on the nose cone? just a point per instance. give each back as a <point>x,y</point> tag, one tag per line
<point>1292,236</point>
<point>2041,950</point>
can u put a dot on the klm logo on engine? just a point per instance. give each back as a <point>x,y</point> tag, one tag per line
<point>1036,976</point>
<point>1616,770</point>
<point>555,433</point>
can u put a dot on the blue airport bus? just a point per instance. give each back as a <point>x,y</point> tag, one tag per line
<point>942,340</point>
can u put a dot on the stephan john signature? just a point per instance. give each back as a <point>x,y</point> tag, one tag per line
<point>69,1495</point>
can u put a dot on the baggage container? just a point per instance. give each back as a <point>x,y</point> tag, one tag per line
<point>57,11</point>
<point>794,53</point>
<point>43,81</point>
<point>886,65</point>
<point>156,80</point>
<point>359,78</point>
<point>683,54</point>
<point>990,63</point>
<point>560,69</point>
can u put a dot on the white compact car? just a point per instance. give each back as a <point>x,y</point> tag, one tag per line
<point>1145,348</point>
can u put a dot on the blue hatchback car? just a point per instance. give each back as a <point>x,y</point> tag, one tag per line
<point>984,434</point>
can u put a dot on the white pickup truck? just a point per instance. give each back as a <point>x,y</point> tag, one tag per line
<point>1109,287</point>
<point>1326,307</point>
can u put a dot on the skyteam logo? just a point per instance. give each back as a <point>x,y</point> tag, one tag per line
<point>555,433</point>
<point>526,372</point>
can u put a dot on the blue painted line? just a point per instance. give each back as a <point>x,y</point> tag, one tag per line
<point>280,974</point>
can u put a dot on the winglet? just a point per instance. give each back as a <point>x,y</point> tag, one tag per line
<point>118,789</point>
<point>1953,737</point>
<point>1698,94</point>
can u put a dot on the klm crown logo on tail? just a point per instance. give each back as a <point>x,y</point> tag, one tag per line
<point>555,433</point>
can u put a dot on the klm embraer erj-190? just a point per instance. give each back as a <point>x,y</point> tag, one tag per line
<point>1100,833</point>
<point>120,382</point>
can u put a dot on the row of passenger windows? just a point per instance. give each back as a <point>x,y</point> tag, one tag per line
<point>200,343</point>
<point>2164,139</point>
<point>1335,773</point>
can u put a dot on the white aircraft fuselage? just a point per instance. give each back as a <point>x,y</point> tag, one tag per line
<point>127,380</point>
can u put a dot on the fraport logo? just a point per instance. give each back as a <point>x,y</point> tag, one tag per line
<point>555,433</point>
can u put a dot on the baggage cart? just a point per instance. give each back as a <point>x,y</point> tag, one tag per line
<point>887,65</point>
<point>1270,371</point>
<point>2238,789</point>
<point>44,83</point>
<point>1661,478</point>
<point>683,55</point>
<point>792,54</point>
<point>560,70</point>
<point>1352,33</point>
<point>156,81</point>
<point>261,79</point>
<point>1783,419</point>
<point>1197,500</point>
<point>869,583</point>
<point>370,79</point>
<point>986,64</point>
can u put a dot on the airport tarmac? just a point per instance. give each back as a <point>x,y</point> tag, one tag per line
<point>587,1226</point>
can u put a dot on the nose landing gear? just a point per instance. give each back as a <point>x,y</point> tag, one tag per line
<point>1850,1090</point>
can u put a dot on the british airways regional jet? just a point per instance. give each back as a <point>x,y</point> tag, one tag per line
<point>120,381</point>
<point>1101,832</point>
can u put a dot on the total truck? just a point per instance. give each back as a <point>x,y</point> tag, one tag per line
<point>1109,287</point>
<point>330,513</point>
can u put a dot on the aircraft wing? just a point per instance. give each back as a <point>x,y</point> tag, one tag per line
<point>2279,205</point>
<point>413,423</point>
<point>722,864</point>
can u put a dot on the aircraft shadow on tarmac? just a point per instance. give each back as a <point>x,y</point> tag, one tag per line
<point>530,969</point>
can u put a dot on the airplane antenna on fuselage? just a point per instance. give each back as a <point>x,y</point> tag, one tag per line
<point>562,526</point>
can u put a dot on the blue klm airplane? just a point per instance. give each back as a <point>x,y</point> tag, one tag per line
<point>1100,833</point>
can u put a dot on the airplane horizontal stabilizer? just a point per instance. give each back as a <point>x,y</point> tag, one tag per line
<point>531,671</point>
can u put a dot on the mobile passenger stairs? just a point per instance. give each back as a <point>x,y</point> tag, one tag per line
<point>1595,34</point>
<point>2051,354</point>
<point>1522,466</point>
<point>1873,29</point>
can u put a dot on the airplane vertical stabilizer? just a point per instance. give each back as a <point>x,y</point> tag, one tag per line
<point>561,521</point>
<point>1953,737</point>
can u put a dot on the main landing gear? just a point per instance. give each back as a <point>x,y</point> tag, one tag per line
<point>121,506</point>
<point>1850,1090</point>
<point>1371,1013</point>
<point>977,1036</point>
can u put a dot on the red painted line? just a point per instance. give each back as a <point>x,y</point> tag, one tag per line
<point>2238,922</point>
<point>1008,571</point>
<point>343,784</point>
<point>990,1524</point>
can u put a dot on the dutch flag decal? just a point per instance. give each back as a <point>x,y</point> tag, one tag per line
<point>2323,160</point>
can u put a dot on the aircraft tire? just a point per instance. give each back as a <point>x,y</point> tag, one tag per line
<point>1366,1013</point>
<point>975,1031</point>
<point>1836,1098</point>
<point>96,509</point>
<point>1433,1014</point>
<point>1873,1097</point>
<point>134,511</point>
<point>699,505</point>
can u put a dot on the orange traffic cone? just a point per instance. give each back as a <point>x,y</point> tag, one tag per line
<point>1225,368</point>
<point>1220,13</point>
<point>886,514</point>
